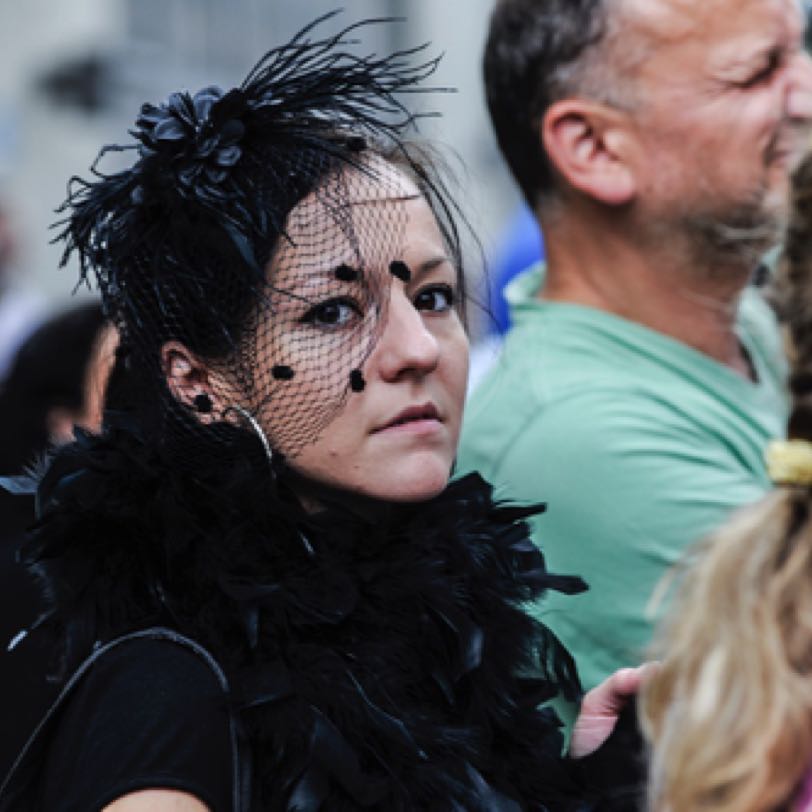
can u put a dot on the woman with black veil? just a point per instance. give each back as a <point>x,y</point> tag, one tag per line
<point>263,592</point>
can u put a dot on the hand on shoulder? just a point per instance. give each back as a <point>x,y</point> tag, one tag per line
<point>602,706</point>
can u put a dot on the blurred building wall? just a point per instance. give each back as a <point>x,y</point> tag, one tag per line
<point>139,50</point>
<point>41,144</point>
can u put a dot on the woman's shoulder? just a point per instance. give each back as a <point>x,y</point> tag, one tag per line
<point>158,662</point>
<point>148,711</point>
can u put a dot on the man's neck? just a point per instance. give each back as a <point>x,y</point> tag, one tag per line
<point>661,288</point>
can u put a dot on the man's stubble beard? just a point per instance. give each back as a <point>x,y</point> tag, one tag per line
<point>736,238</point>
<point>722,239</point>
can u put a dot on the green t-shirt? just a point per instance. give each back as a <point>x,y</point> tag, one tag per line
<point>638,444</point>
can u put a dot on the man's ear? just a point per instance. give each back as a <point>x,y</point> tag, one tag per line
<point>588,143</point>
<point>189,379</point>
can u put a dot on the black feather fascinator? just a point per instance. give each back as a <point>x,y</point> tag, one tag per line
<point>184,245</point>
<point>301,96</point>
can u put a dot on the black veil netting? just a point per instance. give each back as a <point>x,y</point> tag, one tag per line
<point>259,229</point>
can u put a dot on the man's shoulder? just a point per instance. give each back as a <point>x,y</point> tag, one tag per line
<point>562,352</point>
<point>591,380</point>
<point>594,406</point>
<point>559,357</point>
<point>559,423</point>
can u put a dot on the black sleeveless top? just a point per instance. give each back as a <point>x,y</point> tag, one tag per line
<point>147,711</point>
<point>150,714</point>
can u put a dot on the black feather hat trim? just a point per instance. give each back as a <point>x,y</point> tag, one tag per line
<point>379,663</point>
<point>243,157</point>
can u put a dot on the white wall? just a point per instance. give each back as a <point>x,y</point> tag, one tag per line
<point>40,145</point>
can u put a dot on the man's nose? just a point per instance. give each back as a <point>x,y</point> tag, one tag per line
<point>799,91</point>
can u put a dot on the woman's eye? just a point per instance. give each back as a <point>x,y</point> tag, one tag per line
<point>436,298</point>
<point>332,313</point>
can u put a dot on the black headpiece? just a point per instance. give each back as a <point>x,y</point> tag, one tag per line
<point>185,244</point>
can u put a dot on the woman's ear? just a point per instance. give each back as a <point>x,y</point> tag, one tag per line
<point>588,144</point>
<point>191,382</point>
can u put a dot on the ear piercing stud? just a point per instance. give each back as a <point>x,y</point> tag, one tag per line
<point>202,403</point>
<point>357,382</point>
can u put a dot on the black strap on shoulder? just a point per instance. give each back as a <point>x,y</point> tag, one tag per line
<point>19,790</point>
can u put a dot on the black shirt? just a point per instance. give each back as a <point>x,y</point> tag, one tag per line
<point>149,714</point>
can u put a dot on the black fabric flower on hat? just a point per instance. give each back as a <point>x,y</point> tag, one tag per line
<point>198,136</point>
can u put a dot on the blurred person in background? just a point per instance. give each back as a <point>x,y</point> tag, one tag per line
<point>55,382</point>
<point>21,310</point>
<point>49,389</point>
<point>729,713</point>
<point>643,374</point>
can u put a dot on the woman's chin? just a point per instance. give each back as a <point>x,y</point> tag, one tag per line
<point>415,479</point>
<point>394,483</point>
<point>421,492</point>
<point>405,488</point>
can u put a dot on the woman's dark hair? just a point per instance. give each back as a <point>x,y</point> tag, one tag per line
<point>48,372</point>
<point>179,244</point>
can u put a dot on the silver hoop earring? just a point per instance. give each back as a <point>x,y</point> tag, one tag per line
<point>254,423</point>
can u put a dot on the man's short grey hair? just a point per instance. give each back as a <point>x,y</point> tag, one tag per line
<point>539,52</point>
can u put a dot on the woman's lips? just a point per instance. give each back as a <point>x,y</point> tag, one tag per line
<point>414,419</point>
<point>415,427</point>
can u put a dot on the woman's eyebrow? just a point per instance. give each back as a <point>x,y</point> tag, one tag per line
<point>318,278</point>
<point>429,265</point>
<point>302,289</point>
<point>366,201</point>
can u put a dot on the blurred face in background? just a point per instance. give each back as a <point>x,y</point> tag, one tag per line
<point>62,420</point>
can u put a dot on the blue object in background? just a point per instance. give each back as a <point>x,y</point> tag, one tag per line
<point>519,247</point>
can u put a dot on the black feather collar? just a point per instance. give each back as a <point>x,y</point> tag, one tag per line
<point>377,664</point>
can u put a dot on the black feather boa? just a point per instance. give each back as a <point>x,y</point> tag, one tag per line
<point>377,663</point>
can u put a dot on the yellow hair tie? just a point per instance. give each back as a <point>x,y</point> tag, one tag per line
<point>789,462</point>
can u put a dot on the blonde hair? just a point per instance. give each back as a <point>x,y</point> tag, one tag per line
<point>729,715</point>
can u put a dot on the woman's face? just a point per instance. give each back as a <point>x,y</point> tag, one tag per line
<point>344,313</point>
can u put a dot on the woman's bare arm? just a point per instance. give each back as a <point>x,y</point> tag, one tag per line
<point>157,800</point>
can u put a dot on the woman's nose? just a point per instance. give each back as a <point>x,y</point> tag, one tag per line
<point>406,345</point>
